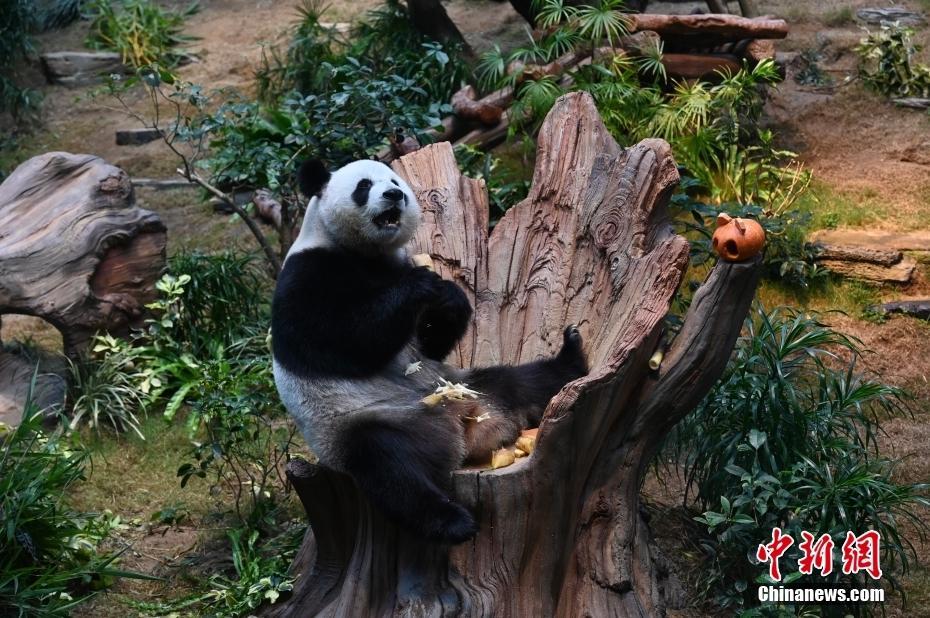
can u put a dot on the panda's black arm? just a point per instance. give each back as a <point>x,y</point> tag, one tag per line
<point>342,314</point>
<point>444,321</point>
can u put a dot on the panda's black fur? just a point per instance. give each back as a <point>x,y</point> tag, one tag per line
<point>351,315</point>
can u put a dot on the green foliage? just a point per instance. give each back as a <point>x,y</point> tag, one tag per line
<point>505,188</point>
<point>140,30</point>
<point>17,21</point>
<point>887,63</point>
<point>197,319</point>
<point>105,387</point>
<point>244,441</point>
<point>384,44</point>
<point>260,576</point>
<point>298,67</point>
<point>49,552</point>
<point>788,256</point>
<point>787,438</point>
<point>58,13</point>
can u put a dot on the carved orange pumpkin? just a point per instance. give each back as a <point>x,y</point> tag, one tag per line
<point>736,240</point>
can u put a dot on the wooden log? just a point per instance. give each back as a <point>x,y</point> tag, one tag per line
<point>890,14</point>
<point>713,26</point>
<point>913,102</point>
<point>858,253</point>
<point>902,272</point>
<point>81,68</point>
<point>74,248</point>
<point>21,373</point>
<point>758,50</point>
<point>561,531</point>
<point>879,239</point>
<point>700,66</point>
<point>163,184</point>
<point>465,106</point>
<point>137,137</point>
<point>919,308</point>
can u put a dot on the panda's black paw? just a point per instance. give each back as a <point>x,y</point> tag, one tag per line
<point>572,353</point>
<point>452,524</point>
<point>451,301</point>
<point>424,285</point>
<point>571,336</point>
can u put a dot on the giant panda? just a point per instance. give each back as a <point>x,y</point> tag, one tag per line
<point>358,338</point>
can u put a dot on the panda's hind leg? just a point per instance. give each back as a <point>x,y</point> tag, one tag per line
<point>404,465</point>
<point>528,388</point>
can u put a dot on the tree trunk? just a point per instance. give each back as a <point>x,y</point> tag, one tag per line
<point>561,530</point>
<point>748,8</point>
<point>430,18</point>
<point>74,249</point>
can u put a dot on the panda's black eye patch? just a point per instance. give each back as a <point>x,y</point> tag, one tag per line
<point>360,195</point>
<point>396,184</point>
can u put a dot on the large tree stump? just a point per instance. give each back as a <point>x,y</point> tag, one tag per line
<point>74,249</point>
<point>561,530</point>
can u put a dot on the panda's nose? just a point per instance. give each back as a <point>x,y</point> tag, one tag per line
<point>395,195</point>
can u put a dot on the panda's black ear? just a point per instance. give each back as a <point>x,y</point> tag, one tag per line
<point>312,177</point>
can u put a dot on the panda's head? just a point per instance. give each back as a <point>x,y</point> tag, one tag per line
<point>363,206</point>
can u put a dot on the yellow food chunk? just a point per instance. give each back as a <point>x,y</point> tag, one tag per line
<point>502,458</point>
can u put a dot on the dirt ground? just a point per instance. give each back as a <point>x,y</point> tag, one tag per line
<point>870,160</point>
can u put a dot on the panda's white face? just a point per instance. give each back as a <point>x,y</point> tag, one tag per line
<point>364,206</point>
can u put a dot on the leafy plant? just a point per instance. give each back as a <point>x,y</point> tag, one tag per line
<point>788,256</point>
<point>198,319</point>
<point>887,63</point>
<point>105,387</point>
<point>260,576</point>
<point>505,188</point>
<point>17,22</point>
<point>245,439</point>
<point>140,30</point>
<point>50,559</point>
<point>787,439</point>
<point>337,102</point>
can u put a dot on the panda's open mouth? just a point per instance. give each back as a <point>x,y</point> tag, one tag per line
<point>390,218</point>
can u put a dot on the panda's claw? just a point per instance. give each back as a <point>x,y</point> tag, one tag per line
<point>455,525</point>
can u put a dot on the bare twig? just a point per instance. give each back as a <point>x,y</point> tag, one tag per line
<point>256,230</point>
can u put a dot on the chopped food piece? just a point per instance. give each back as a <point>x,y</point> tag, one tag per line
<point>448,390</point>
<point>423,259</point>
<point>413,367</point>
<point>502,458</point>
<point>527,440</point>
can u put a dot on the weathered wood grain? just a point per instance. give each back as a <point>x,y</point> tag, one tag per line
<point>561,533</point>
<point>74,249</point>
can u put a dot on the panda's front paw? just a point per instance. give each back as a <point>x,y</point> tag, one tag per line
<point>452,301</point>
<point>425,285</point>
<point>452,524</point>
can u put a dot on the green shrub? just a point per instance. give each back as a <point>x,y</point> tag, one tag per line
<point>260,576</point>
<point>242,439</point>
<point>50,560</point>
<point>887,63</point>
<point>788,256</point>
<point>386,43</point>
<point>505,188</point>
<point>17,21</point>
<point>215,312</point>
<point>787,438</point>
<point>140,30</point>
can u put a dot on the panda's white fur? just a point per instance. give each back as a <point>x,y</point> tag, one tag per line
<point>352,316</point>
<point>335,220</point>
